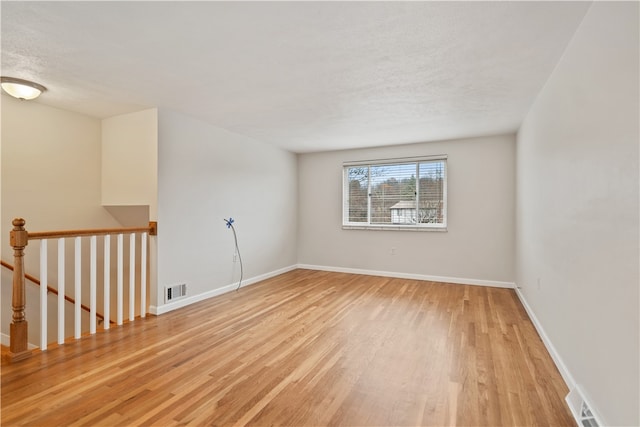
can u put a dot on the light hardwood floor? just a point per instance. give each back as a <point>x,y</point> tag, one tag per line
<point>304,348</point>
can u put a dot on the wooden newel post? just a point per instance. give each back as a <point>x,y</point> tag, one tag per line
<point>18,346</point>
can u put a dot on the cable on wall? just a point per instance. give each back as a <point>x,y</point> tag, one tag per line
<point>229,222</point>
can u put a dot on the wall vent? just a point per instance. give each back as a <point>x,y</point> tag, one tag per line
<point>172,293</point>
<point>581,410</point>
<point>586,416</point>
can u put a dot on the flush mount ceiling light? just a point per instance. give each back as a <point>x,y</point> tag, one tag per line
<point>21,89</point>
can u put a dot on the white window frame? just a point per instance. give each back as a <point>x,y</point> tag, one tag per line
<point>346,225</point>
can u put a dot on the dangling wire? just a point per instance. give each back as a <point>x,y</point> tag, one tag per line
<point>229,223</point>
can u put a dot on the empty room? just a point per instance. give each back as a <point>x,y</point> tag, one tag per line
<point>320,213</point>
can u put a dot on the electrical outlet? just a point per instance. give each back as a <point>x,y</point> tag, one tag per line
<point>393,251</point>
<point>235,257</point>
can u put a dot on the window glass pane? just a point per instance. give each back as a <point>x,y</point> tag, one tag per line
<point>406,194</point>
<point>431,197</point>
<point>393,194</point>
<point>358,186</point>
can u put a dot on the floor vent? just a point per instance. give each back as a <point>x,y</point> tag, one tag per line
<point>580,409</point>
<point>586,417</point>
<point>174,292</point>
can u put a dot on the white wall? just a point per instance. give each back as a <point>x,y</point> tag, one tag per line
<point>206,174</point>
<point>130,160</point>
<point>577,210</point>
<point>50,168</point>
<point>50,177</point>
<point>479,244</point>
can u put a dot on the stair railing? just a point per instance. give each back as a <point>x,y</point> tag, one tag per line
<point>51,290</point>
<point>19,239</point>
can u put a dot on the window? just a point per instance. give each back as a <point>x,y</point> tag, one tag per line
<point>396,194</point>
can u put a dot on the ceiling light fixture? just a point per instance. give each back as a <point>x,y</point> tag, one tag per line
<point>21,89</point>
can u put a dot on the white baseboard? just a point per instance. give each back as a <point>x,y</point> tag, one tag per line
<point>566,375</point>
<point>157,310</point>
<point>576,394</point>
<point>444,279</point>
<point>5,340</point>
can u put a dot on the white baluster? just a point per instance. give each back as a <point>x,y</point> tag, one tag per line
<point>143,275</point>
<point>119,283</point>
<point>61,291</point>
<point>78,289</point>
<point>107,280</point>
<point>132,276</point>
<point>43,294</point>
<point>93,242</point>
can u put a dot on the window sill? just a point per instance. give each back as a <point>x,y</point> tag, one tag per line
<point>393,228</point>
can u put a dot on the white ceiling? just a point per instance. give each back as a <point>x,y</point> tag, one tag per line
<point>306,76</point>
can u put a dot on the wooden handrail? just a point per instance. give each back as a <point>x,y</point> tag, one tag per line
<point>26,275</point>
<point>52,290</point>
<point>18,239</point>
<point>152,229</point>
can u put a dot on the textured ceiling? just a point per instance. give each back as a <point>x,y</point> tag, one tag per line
<point>307,76</point>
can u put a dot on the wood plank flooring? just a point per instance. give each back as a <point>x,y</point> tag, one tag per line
<point>306,348</point>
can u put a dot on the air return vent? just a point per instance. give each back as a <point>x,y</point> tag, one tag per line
<point>586,417</point>
<point>172,293</point>
<point>581,410</point>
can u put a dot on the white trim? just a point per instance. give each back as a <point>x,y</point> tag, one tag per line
<point>5,340</point>
<point>574,402</point>
<point>394,161</point>
<point>564,372</point>
<point>575,392</point>
<point>444,279</point>
<point>157,310</point>
<point>392,227</point>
